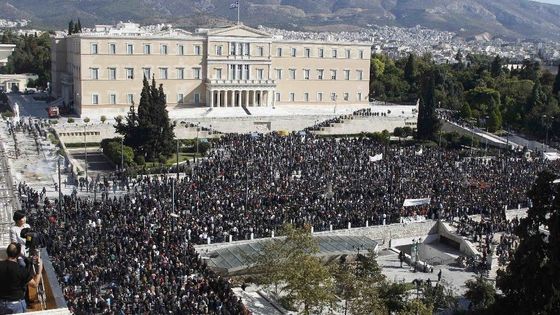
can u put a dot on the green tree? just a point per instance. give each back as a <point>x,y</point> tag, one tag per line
<point>150,132</point>
<point>428,123</point>
<point>496,68</point>
<point>531,280</point>
<point>410,70</point>
<point>495,120</point>
<point>481,293</point>
<point>288,264</point>
<point>556,84</point>
<point>70,27</point>
<point>31,55</point>
<point>417,307</point>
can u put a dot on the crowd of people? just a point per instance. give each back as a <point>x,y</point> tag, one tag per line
<point>135,252</point>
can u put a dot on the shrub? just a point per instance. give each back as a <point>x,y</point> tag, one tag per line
<point>112,150</point>
<point>70,120</point>
<point>87,120</point>
<point>140,160</point>
<point>103,119</point>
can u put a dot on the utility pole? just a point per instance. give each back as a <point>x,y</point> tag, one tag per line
<point>122,154</point>
<point>59,186</point>
<point>177,159</point>
<point>85,158</point>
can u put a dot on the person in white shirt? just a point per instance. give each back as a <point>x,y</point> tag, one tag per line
<point>20,223</point>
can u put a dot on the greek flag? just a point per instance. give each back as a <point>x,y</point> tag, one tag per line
<point>234,5</point>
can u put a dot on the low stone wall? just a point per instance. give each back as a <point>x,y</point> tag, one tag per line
<point>381,233</point>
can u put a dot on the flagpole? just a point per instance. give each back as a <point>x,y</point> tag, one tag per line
<point>238,5</point>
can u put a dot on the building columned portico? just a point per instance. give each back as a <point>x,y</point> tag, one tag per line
<point>240,93</point>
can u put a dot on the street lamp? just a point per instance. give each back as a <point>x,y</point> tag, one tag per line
<point>122,154</point>
<point>59,186</point>
<point>85,158</point>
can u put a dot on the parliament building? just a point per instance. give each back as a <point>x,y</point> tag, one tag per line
<point>103,68</point>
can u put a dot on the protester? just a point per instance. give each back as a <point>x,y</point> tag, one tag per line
<point>135,252</point>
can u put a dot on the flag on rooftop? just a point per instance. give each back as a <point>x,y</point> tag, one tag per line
<point>234,5</point>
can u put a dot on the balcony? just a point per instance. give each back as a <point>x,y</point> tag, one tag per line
<point>214,83</point>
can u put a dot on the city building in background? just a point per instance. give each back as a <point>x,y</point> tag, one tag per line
<point>234,66</point>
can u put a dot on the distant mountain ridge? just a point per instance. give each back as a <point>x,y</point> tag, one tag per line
<point>506,18</point>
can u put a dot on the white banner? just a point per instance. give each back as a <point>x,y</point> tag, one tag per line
<point>375,158</point>
<point>551,156</point>
<point>416,202</point>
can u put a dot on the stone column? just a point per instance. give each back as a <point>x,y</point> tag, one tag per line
<point>254,98</point>
<point>226,98</point>
<point>219,99</point>
<point>246,98</point>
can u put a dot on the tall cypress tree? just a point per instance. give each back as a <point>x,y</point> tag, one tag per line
<point>556,85</point>
<point>428,123</point>
<point>150,132</point>
<point>70,27</point>
<point>410,70</point>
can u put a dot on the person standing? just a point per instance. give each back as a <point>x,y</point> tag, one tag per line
<point>15,231</point>
<point>14,279</point>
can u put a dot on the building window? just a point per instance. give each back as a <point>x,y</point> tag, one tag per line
<point>219,74</point>
<point>163,73</point>
<point>306,74</point>
<point>348,54</point>
<point>361,54</point>
<point>130,73</point>
<point>345,96</point>
<point>219,50</point>
<point>360,75</point>
<point>196,98</point>
<point>180,73</point>
<point>260,74</point>
<point>293,74</point>
<point>112,49</point>
<point>95,99</point>
<point>112,99</point>
<point>278,97</point>
<point>147,49</point>
<point>261,51</point>
<point>333,74</point>
<point>180,50</point>
<point>321,53</point>
<point>197,50</point>
<point>359,96</point>
<point>129,49</point>
<point>93,49</point>
<point>196,73</point>
<point>279,52</point>
<point>112,73</point>
<point>94,73</point>
<point>307,52</point>
<point>306,97</point>
<point>147,73</point>
<point>294,52</point>
<point>346,74</point>
<point>247,50</point>
<point>320,97</point>
<point>180,97</point>
<point>292,97</point>
<point>334,53</point>
<point>320,74</point>
<point>163,49</point>
<point>333,97</point>
<point>130,99</point>
<point>246,73</point>
<point>279,74</point>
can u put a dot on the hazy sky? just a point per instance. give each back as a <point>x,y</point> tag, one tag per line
<point>549,1</point>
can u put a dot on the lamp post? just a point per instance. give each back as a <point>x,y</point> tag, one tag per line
<point>59,186</point>
<point>122,154</point>
<point>177,159</point>
<point>85,158</point>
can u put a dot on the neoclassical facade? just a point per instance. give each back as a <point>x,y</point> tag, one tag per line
<point>103,68</point>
